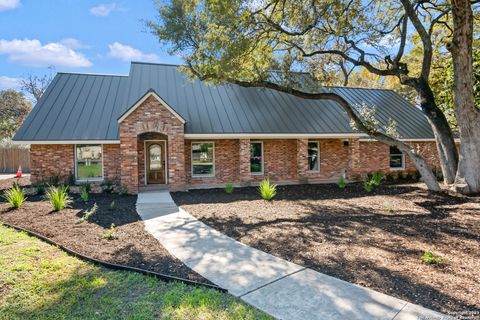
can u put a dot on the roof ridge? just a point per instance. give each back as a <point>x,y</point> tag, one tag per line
<point>94,74</point>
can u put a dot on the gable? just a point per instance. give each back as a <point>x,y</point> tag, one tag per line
<point>150,94</point>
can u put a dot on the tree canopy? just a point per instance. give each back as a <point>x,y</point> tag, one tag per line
<point>14,107</point>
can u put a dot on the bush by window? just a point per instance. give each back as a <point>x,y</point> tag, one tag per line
<point>203,161</point>
<point>313,156</point>
<point>397,159</point>
<point>256,158</point>
<point>89,164</point>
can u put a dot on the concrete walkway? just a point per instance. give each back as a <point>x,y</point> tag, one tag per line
<point>278,287</point>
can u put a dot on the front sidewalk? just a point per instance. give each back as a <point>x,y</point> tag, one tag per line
<point>278,287</point>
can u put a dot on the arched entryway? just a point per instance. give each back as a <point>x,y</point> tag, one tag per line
<point>153,159</point>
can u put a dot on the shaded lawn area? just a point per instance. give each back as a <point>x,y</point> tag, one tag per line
<point>132,245</point>
<point>371,239</point>
<point>39,281</point>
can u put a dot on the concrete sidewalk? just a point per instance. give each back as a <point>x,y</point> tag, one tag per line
<point>278,287</point>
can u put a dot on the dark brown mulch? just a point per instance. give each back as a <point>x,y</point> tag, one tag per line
<point>371,239</point>
<point>132,245</point>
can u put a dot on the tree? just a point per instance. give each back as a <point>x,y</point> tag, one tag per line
<point>14,107</point>
<point>36,85</point>
<point>244,39</point>
<point>466,113</point>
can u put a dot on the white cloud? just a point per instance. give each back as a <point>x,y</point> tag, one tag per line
<point>9,4</point>
<point>8,82</point>
<point>73,43</point>
<point>33,53</point>
<point>103,10</point>
<point>127,53</point>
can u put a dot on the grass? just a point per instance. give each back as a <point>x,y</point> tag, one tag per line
<point>39,281</point>
<point>58,197</point>
<point>14,196</point>
<point>267,190</point>
<point>92,171</point>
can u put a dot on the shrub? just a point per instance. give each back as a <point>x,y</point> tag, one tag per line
<point>86,185</point>
<point>267,190</point>
<point>430,258</point>
<point>342,183</point>
<point>89,213</point>
<point>14,196</point>
<point>229,188</point>
<point>401,175</point>
<point>390,176</point>
<point>377,178</point>
<point>110,234</point>
<point>58,197</point>
<point>113,206</point>
<point>107,186</point>
<point>84,194</point>
<point>40,188</point>
<point>54,180</point>
<point>367,185</point>
<point>122,191</point>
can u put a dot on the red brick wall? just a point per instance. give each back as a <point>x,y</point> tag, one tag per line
<point>151,116</point>
<point>334,160</point>
<point>111,162</point>
<point>49,160</point>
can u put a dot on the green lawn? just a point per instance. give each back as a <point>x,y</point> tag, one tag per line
<point>39,281</point>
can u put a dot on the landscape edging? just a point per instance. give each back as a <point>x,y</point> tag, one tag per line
<point>112,265</point>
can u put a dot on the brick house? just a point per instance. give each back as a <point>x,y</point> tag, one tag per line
<point>155,127</point>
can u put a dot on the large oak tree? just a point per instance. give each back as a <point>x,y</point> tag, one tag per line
<point>241,41</point>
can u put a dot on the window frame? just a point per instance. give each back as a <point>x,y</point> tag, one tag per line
<point>102,178</point>
<point>308,157</point>
<point>390,160</point>
<point>261,173</point>
<point>191,160</point>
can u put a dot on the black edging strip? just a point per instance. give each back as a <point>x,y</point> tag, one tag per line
<point>114,265</point>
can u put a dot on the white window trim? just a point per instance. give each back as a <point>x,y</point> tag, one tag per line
<point>397,168</point>
<point>76,167</point>
<point>191,160</point>
<point>261,173</point>
<point>319,162</point>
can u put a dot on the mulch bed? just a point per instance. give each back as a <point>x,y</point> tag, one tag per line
<point>132,245</point>
<point>371,239</point>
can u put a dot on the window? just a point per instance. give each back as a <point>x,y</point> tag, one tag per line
<point>256,158</point>
<point>313,157</point>
<point>89,162</point>
<point>397,159</point>
<point>203,159</point>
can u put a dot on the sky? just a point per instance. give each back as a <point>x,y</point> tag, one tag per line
<point>85,36</point>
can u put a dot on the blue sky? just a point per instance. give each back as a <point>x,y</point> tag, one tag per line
<point>75,36</point>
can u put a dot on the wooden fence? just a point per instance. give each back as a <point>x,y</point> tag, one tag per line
<point>13,156</point>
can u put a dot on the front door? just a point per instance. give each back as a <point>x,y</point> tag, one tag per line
<point>155,156</point>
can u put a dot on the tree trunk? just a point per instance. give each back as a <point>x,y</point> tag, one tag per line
<point>447,150</point>
<point>468,116</point>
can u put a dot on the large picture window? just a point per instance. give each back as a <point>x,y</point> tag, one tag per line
<point>397,159</point>
<point>89,162</point>
<point>203,159</point>
<point>313,157</point>
<point>256,158</point>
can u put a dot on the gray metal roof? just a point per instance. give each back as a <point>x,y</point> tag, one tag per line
<point>87,107</point>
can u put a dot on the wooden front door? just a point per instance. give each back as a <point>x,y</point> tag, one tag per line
<point>155,164</point>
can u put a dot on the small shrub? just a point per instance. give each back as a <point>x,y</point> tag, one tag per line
<point>430,258</point>
<point>367,185</point>
<point>390,177</point>
<point>71,179</point>
<point>110,234</point>
<point>113,206</point>
<point>89,213</point>
<point>40,188</point>
<point>267,190</point>
<point>86,185</point>
<point>122,191</point>
<point>107,186</point>
<point>342,183</point>
<point>410,176</point>
<point>401,175</point>
<point>54,180</point>
<point>58,197</point>
<point>84,194</point>
<point>229,188</point>
<point>377,178</point>
<point>14,196</point>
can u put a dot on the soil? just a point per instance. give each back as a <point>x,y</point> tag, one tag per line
<point>131,246</point>
<point>375,240</point>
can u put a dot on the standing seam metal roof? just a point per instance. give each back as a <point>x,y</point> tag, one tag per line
<point>87,107</point>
